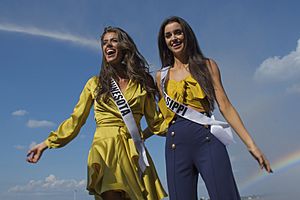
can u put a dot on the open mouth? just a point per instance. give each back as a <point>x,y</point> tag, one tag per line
<point>176,43</point>
<point>110,52</point>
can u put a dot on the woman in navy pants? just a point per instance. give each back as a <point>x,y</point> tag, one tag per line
<point>195,81</point>
<point>197,151</point>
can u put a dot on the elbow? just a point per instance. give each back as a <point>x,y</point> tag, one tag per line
<point>224,107</point>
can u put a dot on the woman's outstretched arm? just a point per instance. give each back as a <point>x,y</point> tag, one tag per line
<point>69,128</point>
<point>232,117</point>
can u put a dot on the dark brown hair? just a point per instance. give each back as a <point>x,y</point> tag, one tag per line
<point>196,60</point>
<point>136,66</point>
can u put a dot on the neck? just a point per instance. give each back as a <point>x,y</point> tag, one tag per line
<point>120,70</point>
<point>180,62</point>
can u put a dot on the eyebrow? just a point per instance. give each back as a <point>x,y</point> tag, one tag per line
<point>112,38</point>
<point>178,29</point>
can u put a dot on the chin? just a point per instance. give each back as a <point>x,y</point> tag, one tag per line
<point>111,60</point>
<point>177,53</point>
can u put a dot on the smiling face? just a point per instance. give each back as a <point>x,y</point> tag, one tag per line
<point>174,38</point>
<point>111,48</point>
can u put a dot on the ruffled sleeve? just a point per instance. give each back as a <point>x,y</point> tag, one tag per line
<point>70,128</point>
<point>154,119</point>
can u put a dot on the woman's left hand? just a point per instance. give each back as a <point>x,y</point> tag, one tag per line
<point>261,159</point>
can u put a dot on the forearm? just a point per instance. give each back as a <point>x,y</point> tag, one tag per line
<point>233,118</point>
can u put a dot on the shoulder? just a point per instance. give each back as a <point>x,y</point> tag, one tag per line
<point>161,72</point>
<point>92,82</point>
<point>93,79</point>
<point>212,66</point>
<point>158,75</point>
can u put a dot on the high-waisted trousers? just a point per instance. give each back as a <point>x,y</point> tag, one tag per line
<point>191,150</point>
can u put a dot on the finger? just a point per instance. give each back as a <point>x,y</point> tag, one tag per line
<point>36,157</point>
<point>29,159</point>
<point>268,166</point>
<point>261,162</point>
<point>29,152</point>
<point>31,156</point>
<point>266,163</point>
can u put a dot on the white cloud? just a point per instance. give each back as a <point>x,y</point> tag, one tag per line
<point>91,43</point>
<point>49,184</point>
<point>22,147</point>
<point>42,123</point>
<point>19,147</point>
<point>294,89</point>
<point>280,68</point>
<point>19,113</point>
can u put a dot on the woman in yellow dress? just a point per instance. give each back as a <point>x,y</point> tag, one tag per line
<point>114,172</point>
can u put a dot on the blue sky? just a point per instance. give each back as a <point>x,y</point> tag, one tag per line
<point>49,50</point>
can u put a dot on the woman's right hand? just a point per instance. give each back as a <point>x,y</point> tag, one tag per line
<point>35,153</point>
<point>261,159</point>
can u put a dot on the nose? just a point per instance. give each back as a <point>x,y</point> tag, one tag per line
<point>109,44</point>
<point>173,37</point>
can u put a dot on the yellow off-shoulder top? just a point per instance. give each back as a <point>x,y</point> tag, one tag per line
<point>187,91</point>
<point>113,159</point>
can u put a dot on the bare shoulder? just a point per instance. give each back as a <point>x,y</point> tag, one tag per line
<point>157,77</point>
<point>212,66</point>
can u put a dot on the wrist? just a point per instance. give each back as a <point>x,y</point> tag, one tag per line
<point>44,145</point>
<point>251,146</point>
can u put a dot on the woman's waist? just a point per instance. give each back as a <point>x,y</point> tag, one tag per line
<point>113,121</point>
<point>105,132</point>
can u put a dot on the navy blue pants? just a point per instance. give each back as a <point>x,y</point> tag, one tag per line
<point>191,149</point>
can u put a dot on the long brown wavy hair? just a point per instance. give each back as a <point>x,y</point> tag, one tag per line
<point>196,60</point>
<point>136,67</point>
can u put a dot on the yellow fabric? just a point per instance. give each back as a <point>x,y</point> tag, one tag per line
<point>113,159</point>
<point>187,91</point>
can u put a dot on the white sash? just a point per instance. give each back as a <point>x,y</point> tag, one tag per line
<point>219,129</point>
<point>130,123</point>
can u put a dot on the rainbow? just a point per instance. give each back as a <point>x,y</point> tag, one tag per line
<point>282,164</point>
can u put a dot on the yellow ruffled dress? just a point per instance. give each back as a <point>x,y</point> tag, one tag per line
<point>113,158</point>
<point>187,91</point>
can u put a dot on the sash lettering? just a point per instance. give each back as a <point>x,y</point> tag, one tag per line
<point>119,99</point>
<point>130,123</point>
